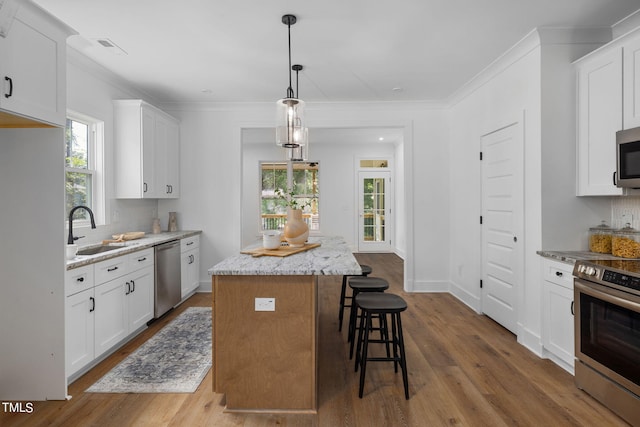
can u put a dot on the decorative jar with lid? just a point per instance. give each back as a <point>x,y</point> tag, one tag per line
<point>625,242</point>
<point>600,238</point>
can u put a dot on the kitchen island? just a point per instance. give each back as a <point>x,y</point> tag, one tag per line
<point>265,322</point>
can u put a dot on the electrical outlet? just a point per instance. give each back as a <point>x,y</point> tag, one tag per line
<point>265,304</point>
<point>626,218</point>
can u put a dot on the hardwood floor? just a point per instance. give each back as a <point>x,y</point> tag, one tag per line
<point>464,369</point>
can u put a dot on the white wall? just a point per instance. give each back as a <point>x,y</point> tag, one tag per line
<point>212,173</point>
<point>533,81</point>
<point>338,208</point>
<point>90,91</point>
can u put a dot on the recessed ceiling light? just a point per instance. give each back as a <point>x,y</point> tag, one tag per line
<point>207,91</point>
<point>381,138</point>
<point>397,89</point>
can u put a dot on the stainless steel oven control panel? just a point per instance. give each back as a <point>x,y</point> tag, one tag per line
<point>625,280</point>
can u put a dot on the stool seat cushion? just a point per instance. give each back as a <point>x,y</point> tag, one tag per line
<point>381,302</point>
<point>365,269</point>
<point>368,283</point>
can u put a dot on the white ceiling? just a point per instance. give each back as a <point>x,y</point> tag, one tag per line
<point>351,50</point>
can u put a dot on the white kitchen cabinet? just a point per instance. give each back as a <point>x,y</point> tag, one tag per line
<point>599,118</point>
<point>557,310</point>
<point>106,302</point>
<point>110,315</point>
<point>147,151</point>
<point>631,83</point>
<point>189,265</point>
<point>33,66</point>
<point>79,327</point>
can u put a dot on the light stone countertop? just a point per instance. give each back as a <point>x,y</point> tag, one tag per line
<point>570,257</point>
<point>332,257</point>
<point>148,241</point>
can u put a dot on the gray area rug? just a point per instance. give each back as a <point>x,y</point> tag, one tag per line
<point>175,360</point>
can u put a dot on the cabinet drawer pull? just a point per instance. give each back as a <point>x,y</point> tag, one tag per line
<point>190,243</point>
<point>559,273</point>
<point>80,279</point>
<point>112,269</point>
<point>142,259</point>
<point>10,80</point>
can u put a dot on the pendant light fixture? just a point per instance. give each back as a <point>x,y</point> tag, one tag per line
<point>290,130</point>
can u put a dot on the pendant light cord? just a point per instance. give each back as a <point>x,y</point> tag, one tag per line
<point>290,93</point>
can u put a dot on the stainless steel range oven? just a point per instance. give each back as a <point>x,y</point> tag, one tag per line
<point>607,331</point>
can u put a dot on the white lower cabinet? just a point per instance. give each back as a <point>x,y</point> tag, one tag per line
<point>557,318</point>
<point>189,265</point>
<point>79,319</point>
<point>100,317</point>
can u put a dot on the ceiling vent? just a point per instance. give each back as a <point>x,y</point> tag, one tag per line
<point>109,45</point>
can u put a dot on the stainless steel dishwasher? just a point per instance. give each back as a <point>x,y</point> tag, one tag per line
<point>167,286</point>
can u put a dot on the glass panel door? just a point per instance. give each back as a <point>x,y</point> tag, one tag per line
<point>375,225</point>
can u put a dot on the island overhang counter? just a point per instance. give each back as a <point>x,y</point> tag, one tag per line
<point>265,322</point>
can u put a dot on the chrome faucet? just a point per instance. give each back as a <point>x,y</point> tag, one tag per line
<point>72,239</point>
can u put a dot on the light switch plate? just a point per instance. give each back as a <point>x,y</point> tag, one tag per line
<point>265,304</point>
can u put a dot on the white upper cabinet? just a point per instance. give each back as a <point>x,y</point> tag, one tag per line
<point>147,151</point>
<point>599,118</point>
<point>631,84</point>
<point>32,69</point>
<point>608,101</point>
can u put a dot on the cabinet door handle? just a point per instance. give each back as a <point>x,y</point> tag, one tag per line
<point>133,286</point>
<point>144,187</point>
<point>93,304</point>
<point>614,178</point>
<point>10,80</point>
<point>128,288</point>
<point>559,273</point>
<point>112,269</point>
<point>573,305</point>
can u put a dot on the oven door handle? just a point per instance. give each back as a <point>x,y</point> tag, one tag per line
<point>612,296</point>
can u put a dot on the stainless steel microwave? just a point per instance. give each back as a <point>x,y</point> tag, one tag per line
<point>627,158</point>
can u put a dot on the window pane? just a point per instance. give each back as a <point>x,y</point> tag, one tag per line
<point>77,192</point>
<point>77,145</point>
<point>273,209</point>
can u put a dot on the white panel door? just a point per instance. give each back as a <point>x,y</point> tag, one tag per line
<point>375,226</point>
<point>502,223</point>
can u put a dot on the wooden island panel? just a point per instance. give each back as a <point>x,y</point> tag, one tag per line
<point>265,361</point>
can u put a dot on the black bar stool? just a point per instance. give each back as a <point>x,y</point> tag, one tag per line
<point>366,270</point>
<point>358,285</point>
<point>381,304</point>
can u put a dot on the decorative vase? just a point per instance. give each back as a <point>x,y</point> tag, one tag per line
<point>173,222</point>
<point>296,230</point>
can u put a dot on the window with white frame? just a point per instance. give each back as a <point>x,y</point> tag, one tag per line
<point>273,208</point>
<point>83,167</point>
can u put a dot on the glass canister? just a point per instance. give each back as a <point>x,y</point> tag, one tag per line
<point>600,238</point>
<point>625,242</point>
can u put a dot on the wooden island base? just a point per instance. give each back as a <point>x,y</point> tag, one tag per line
<point>265,361</point>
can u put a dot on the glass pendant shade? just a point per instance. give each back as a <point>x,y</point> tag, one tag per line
<point>298,154</point>
<point>290,129</point>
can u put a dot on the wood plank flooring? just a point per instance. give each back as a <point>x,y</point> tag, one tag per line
<point>464,369</point>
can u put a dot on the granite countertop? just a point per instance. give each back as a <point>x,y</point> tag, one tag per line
<point>571,257</point>
<point>332,257</point>
<point>148,241</point>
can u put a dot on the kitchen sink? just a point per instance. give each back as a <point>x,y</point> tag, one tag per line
<point>98,249</point>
